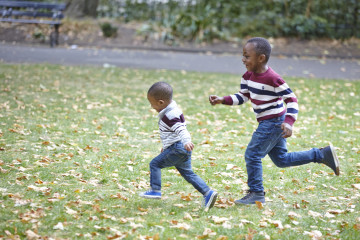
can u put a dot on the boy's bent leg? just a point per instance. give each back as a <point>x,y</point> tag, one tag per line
<point>282,158</point>
<point>187,173</point>
<point>198,183</point>
<point>163,160</point>
<point>263,140</point>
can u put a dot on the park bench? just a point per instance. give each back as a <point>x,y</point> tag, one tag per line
<point>35,13</point>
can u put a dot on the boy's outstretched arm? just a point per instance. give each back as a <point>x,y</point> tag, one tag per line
<point>215,99</point>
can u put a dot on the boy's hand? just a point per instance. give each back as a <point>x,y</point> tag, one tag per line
<point>189,146</point>
<point>215,99</point>
<point>287,130</point>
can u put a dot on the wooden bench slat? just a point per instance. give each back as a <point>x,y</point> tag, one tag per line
<point>35,5</point>
<point>41,21</point>
<point>32,14</point>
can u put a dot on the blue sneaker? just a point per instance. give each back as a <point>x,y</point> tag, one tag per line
<point>330,159</point>
<point>150,194</point>
<point>251,198</point>
<point>210,199</point>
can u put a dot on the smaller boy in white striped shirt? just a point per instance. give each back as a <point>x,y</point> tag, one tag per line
<point>268,92</point>
<point>177,145</point>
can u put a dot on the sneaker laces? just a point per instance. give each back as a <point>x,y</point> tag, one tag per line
<point>248,195</point>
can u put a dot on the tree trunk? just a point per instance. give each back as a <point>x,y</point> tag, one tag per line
<point>308,8</point>
<point>81,8</point>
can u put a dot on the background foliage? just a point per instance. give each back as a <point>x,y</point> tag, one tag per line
<point>209,19</point>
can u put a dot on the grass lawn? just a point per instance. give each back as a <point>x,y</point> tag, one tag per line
<point>76,142</point>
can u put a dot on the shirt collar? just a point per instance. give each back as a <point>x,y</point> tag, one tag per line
<point>165,110</point>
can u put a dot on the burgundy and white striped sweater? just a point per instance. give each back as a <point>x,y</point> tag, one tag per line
<point>267,93</point>
<point>172,126</point>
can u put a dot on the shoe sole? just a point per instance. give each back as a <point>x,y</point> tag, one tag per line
<point>336,161</point>
<point>240,203</point>
<point>150,197</point>
<point>212,201</point>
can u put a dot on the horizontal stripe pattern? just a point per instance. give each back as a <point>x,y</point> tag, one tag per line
<point>172,126</point>
<point>267,93</point>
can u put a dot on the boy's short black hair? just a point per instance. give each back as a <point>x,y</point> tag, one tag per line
<point>161,91</point>
<point>262,46</point>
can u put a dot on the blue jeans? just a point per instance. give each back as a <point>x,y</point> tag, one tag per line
<point>267,139</point>
<point>175,155</point>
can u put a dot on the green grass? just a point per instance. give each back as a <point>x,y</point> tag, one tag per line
<point>76,143</point>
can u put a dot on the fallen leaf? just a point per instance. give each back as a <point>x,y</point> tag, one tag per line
<point>70,211</point>
<point>219,220</point>
<point>314,214</point>
<point>357,226</point>
<point>187,216</point>
<point>207,233</point>
<point>30,235</point>
<point>142,209</point>
<point>186,197</point>
<point>293,215</point>
<point>278,224</point>
<point>315,234</point>
<point>259,205</point>
<point>59,226</point>
<point>183,226</point>
<point>336,211</point>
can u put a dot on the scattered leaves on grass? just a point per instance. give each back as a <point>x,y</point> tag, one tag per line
<point>75,153</point>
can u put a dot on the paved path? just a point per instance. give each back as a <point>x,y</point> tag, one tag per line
<point>297,67</point>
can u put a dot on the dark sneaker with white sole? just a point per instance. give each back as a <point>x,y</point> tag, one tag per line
<point>251,198</point>
<point>330,159</point>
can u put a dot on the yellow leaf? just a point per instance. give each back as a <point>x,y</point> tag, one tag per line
<point>259,205</point>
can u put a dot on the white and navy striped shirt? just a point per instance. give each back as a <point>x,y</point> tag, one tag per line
<point>172,126</point>
<point>267,93</point>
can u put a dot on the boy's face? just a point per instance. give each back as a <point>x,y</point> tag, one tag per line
<point>158,105</point>
<point>252,61</point>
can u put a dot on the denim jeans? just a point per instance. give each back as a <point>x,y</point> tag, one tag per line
<point>175,155</point>
<point>267,139</point>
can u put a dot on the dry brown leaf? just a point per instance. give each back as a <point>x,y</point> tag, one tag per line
<point>278,224</point>
<point>30,235</point>
<point>293,215</point>
<point>186,197</point>
<point>314,214</point>
<point>183,226</point>
<point>142,209</point>
<point>259,205</point>
<point>187,216</point>
<point>357,226</point>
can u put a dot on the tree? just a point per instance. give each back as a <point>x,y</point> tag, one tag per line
<point>81,8</point>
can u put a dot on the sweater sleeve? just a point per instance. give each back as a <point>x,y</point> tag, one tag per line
<point>178,125</point>
<point>182,132</point>
<point>239,98</point>
<point>292,108</point>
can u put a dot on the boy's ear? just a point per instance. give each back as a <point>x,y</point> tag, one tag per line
<point>161,102</point>
<point>262,58</point>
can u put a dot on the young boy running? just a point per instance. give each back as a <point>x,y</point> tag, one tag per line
<point>177,145</point>
<point>267,92</point>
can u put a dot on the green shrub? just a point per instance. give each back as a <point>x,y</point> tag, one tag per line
<point>108,30</point>
<point>205,20</point>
